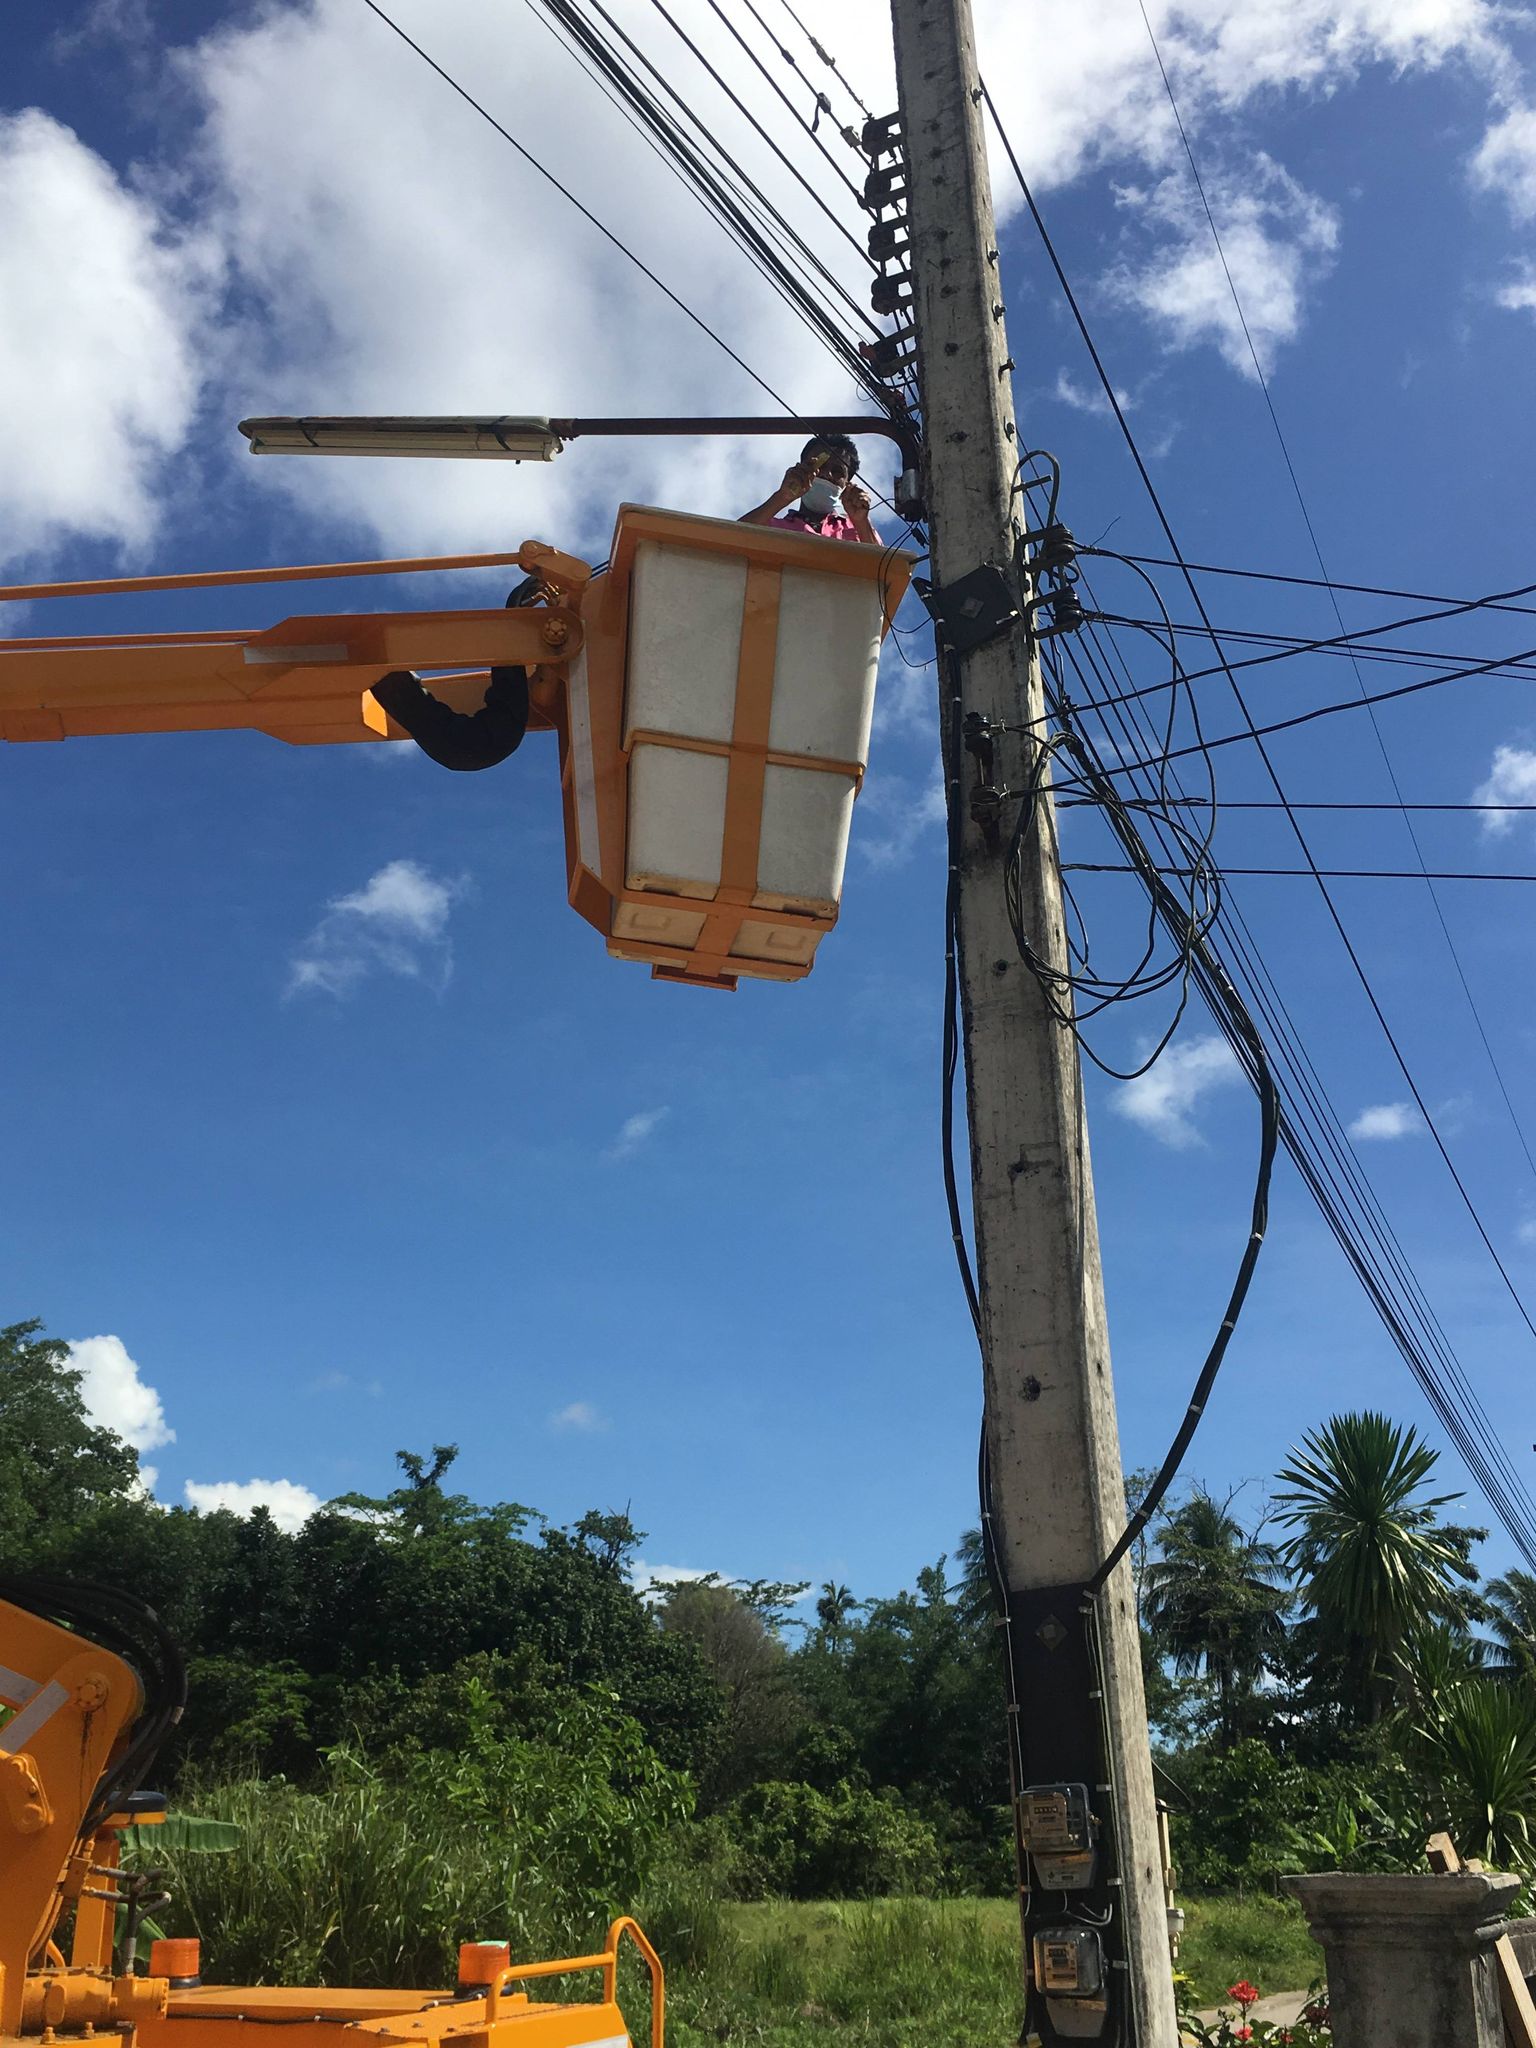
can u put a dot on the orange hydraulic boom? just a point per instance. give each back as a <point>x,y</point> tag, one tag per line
<point>712,695</point>
<point>306,680</point>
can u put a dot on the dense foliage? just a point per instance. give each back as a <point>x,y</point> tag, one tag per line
<point>412,1674</point>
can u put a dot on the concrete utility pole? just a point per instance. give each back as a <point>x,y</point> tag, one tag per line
<point>1057,1488</point>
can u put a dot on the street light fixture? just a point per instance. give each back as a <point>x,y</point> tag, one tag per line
<point>539,440</point>
<point>517,440</point>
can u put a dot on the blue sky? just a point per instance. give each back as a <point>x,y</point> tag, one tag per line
<point>332,1130</point>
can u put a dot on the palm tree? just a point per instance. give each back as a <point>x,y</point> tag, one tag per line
<point>1511,1603</point>
<point>1375,1563</point>
<point>834,1610</point>
<point>1215,1602</point>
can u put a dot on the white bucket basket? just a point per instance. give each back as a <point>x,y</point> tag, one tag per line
<point>748,690</point>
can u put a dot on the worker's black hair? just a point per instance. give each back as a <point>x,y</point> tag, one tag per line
<point>839,442</point>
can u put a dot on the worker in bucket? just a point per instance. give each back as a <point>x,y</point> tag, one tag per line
<point>819,494</point>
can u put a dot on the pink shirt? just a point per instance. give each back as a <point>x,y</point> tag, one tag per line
<point>830,528</point>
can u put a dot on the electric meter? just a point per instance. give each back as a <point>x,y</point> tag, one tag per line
<point>1070,1976</point>
<point>1058,1830</point>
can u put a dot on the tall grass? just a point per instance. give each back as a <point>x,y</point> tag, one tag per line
<point>360,1884</point>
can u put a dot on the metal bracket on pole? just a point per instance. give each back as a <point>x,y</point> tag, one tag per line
<point>974,609</point>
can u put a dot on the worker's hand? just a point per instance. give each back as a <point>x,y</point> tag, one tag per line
<point>856,506</point>
<point>797,481</point>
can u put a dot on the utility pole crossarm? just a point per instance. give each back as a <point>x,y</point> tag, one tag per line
<point>1057,1501</point>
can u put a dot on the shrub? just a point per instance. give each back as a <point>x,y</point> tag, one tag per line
<point>375,1878</point>
<point>803,1844</point>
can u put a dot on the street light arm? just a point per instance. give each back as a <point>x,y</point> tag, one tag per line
<point>903,432</point>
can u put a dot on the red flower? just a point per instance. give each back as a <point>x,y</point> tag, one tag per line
<point>1242,2033</point>
<point>1245,1993</point>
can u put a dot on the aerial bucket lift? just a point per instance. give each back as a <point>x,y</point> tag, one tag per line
<point>712,694</point>
<point>90,1685</point>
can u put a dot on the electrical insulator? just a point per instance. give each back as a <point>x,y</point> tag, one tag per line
<point>881,135</point>
<point>881,188</point>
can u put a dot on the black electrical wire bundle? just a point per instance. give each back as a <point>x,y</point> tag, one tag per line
<point>1076,994</point>
<point>130,1629</point>
<point>1201,967</point>
<point>1314,1137</point>
<point>724,188</point>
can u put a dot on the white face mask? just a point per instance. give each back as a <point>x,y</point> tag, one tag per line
<point>823,500</point>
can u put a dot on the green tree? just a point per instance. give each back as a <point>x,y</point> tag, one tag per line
<point>1215,1602</point>
<point>56,1465</point>
<point>1477,1740</point>
<point>750,1667</point>
<point>1374,1560</point>
<point>835,1609</point>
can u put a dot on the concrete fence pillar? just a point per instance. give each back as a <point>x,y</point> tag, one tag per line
<point>1410,1959</point>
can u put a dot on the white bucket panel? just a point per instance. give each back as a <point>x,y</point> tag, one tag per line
<point>824,673</point>
<point>657,924</point>
<point>685,614</point>
<point>786,942</point>
<point>583,769</point>
<point>676,820</point>
<point>806,816</point>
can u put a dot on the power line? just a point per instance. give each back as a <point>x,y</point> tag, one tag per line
<point>1343,640</point>
<point>1311,582</point>
<point>1349,649</point>
<point>1337,921</point>
<point>585,212</point>
<point>1260,733</point>
<point>715,7</point>
<point>748,219</point>
<point>1337,1192</point>
<point>1333,599</point>
<point>1314,1136</point>
<point>1350,1204</point>
<point>1088,867</point>
<point>826,59</point>
<point>1264,803</point>
<point>584,45</point>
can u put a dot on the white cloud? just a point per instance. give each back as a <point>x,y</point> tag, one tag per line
<point>577,1415</point>
<point>397,923</point>
<point>102,312</point>
<point>1161,1099</point>
<point>1511,780</point>
<point>634,1131</point>
<point>1278,240</point>
<point>648,1578</point>
<point>353,201</point>
<point>289,1504</point>
<point>1525,1230</point>
<point>1519,296</point>
<point>362,271</point>
<point>116,1397</point>
<point>1083,88</point>
<point>1386,1120</point>
<point>365,285</point>
<point>1504,162</point>
<point>1087,397</point>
